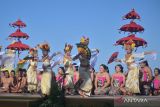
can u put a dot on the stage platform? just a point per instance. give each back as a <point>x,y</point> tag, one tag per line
<point>19,100</point>
<point>111,101</point>
<point>29,100</point>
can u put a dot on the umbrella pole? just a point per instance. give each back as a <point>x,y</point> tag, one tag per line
<point>15,60</point>
<point>18,54</point>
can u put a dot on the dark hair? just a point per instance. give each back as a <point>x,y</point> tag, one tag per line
<point>6,71</point>
<point>62,68</point>
<point>105,67</point>
<point>24,70</point>
<point>20,69</point>
<point>13,71</point>
<point>92,69</point>
<point>157,70</point>
<point>120,66</point>
<point>74,64</point>
<point>145,62</point>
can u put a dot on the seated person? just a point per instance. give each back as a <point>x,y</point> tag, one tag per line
<point>118,81</point>
<point>59,77</point>
<point>2,75</point>
<point>7,82</point>
<point>12,75</point>
<point>146,79</point>
<point>102,81</point>
<point>156,82</point>
<point>64,81</point>
<point>21,85</point>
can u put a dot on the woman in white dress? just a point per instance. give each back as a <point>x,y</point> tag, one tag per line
<point>47,74</point>
<point>32,71</point>
<point>67,61</point>
<point>132,81</point>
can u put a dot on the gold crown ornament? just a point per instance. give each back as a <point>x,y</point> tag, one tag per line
<point>84,40</point>
<point>44,46</point>
<point>68,48</point>
<point>33,51</point>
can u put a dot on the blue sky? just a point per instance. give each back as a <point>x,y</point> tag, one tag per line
<point>61,21</point>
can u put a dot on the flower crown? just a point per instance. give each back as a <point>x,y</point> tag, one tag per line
<point>84,40</point>
<point>33,51</point>
<point>44,47</point>
<point>68,48</point>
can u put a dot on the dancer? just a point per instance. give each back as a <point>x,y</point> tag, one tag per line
<point>132,82</point>
<point>32,71</point>
<point>47,69</point>
<point>67,61</point>
<point>84,56</point>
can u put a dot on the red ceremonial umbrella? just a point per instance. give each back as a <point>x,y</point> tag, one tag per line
<point>138,41</point>
<point>18,46</point>
<point>19,34</point>
<point>132,27</point>
<point>18,24</point>
<point>132,15</point>
<point>113,57</point>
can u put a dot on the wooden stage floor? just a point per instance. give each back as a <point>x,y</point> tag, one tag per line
<point>19,100</point>
<point>111,101</point>
<point>29,100</point>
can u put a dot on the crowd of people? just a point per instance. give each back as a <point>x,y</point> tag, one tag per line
<point>82,79</point>
<point>103,83</point>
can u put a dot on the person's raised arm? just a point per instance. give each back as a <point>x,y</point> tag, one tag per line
<point>54,54</point>
<point>149,52</point>
<point>117,60</point>
<point>76,57</point>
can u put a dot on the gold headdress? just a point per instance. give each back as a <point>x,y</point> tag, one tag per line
<point>68,48</point>
<point>83,48</point>
<point>129,44</point>
<point>44,46</point>
<point>33,51</point>
<point>84,40</point>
